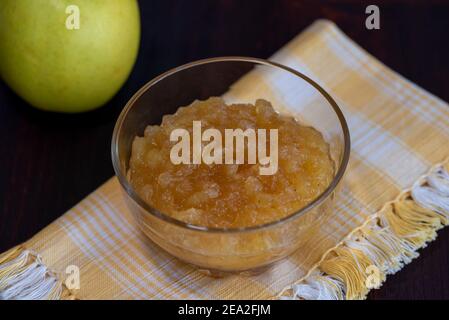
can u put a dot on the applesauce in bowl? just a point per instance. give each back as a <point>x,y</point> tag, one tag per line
<point>220,195</point>
<point>226,216</point>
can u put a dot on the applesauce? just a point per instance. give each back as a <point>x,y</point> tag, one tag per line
<point>230,195</point>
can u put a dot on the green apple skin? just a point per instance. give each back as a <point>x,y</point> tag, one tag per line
<point>57,69</point>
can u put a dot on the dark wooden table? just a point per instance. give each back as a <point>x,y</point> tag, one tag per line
<point>49,162</point>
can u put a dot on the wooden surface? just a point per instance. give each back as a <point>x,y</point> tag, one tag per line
<point>49,162</point>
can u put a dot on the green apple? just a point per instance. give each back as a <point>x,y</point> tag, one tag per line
<point>68,55</point>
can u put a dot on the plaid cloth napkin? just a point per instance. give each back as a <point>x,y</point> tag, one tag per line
<point>394,198</point>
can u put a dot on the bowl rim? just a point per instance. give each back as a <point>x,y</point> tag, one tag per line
<point>158,214</point>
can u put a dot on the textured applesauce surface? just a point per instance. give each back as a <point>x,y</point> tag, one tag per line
<point>230,195</point>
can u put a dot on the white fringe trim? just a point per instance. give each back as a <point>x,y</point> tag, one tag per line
<point>23,276</point>
<point>386,242</point>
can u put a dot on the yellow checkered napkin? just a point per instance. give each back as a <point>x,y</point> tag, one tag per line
<point>391,204</point>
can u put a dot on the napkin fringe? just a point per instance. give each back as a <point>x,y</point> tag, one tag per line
<point>23,276</point>
<point>382,245</point>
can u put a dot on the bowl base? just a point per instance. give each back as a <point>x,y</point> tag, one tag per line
<point>245,273</point>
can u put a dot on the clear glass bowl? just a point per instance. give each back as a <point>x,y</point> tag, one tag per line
<point>237,79</point>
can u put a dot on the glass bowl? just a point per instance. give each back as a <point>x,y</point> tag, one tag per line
<point>237,79</point>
